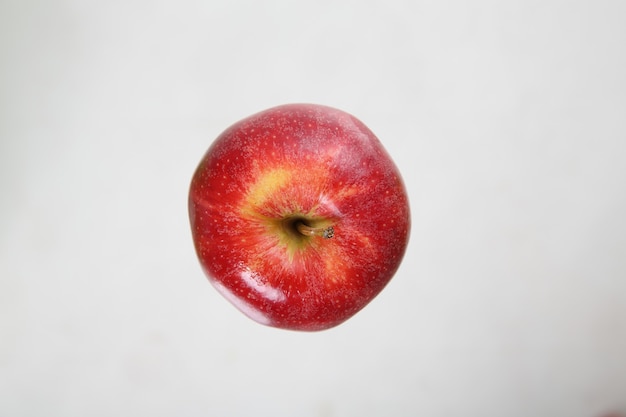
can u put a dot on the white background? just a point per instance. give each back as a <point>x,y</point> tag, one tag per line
<point>507,120</point>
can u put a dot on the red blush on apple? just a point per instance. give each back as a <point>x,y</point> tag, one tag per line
<point>299,216</point>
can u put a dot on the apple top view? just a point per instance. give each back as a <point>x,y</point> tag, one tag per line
<point>299,216</point>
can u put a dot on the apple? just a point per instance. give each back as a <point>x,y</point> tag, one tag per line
<point>299,217</point>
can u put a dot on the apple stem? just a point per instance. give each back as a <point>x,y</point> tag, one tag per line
<point>306,230</point>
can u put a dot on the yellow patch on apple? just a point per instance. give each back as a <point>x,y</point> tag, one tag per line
<point>267,184</point>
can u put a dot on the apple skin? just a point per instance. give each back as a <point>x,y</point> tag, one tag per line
<point>299,163</point>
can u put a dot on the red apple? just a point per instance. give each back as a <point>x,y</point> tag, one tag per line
<point>299,216</point>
